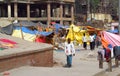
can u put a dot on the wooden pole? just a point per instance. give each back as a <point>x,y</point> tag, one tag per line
<point>116,62</point>
<point>110,63</point>
<point>61,13</point>
<point>16,11</point>
<point>100,58</point>
<point>119,18</point>
<point>72,14</point>
<point>28,11</point>
<point>9,11</point>
<point>21,31</point>
<point>48,13</point>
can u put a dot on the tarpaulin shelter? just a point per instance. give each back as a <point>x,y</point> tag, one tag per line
<point>113,39</point>
<point>21,29</point>
<point>7,29</point>
<point>45,33</point>
<point>28,34</point>
<point>105,43</point>
<point>24,33</point>
<point>91,29</point>
<point>75,33</point>
<point>57,27</point>
<point>111,43</point>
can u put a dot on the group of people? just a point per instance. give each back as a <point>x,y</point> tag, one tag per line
<point>93,39</point>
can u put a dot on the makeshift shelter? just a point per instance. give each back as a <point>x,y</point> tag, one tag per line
<point>22,30</point>
<point>75,33</point>
<point>111,45</point>
<point>105,43</point>
<point>57,26</point>
<point>91,29</point>
<point>24,33</point>
<point>113,39</point>
<point>7,29</point>
<point>28,34</point>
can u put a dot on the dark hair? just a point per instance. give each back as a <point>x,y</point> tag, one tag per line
<point>84,34</point>
<point>68,40</point>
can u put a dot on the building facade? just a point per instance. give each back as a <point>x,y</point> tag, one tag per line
<point>46,11</point>
<point>80,10</point>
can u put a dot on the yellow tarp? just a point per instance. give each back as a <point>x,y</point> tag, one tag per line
<point>26,36</point>
<point>75,33</point>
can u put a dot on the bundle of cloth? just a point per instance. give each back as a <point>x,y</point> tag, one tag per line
<point>6,43</point>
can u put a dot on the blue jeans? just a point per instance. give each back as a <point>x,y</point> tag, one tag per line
<point>69,60</point>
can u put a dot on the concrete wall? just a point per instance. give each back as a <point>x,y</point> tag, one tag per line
<point>42,58</point>
<point>25,53</point>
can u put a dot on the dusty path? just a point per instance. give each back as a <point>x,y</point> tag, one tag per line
<point>83,65</point>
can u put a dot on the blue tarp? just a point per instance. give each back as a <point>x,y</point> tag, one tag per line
<point>26,30</point>
<point>114,31</point>
<point>57,27</point>
<point>45,33</point>
<point>66,26</point>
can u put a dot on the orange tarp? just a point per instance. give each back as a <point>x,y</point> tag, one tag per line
<point>105,43</point>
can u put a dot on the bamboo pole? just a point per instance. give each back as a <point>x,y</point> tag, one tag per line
<point>21,31</point>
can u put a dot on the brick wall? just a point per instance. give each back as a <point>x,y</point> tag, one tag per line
<point>40,58</point>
